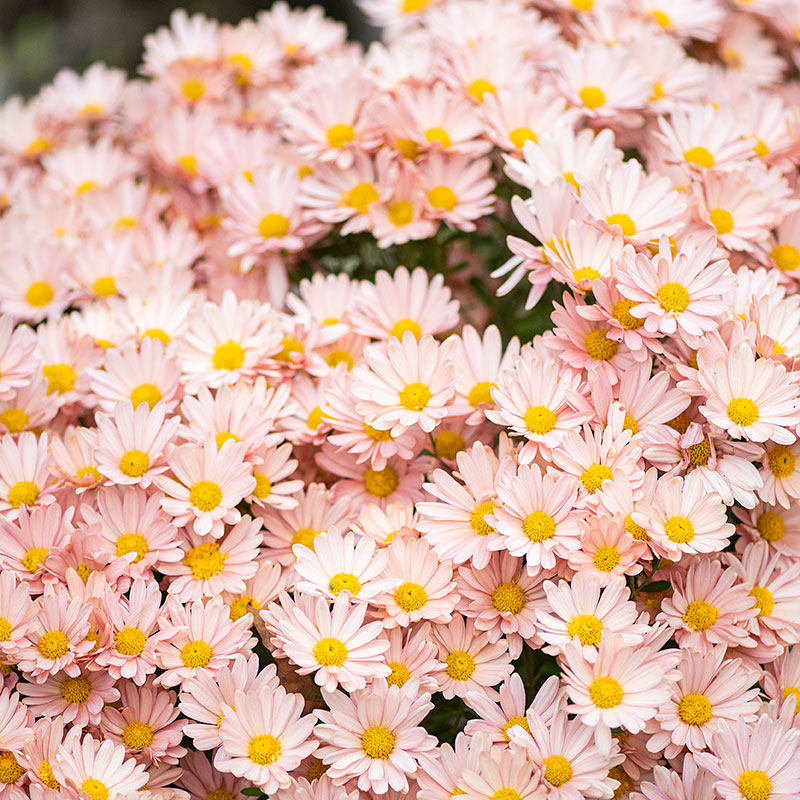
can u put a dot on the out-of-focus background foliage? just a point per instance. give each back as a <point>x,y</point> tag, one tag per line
<point>38,37</point>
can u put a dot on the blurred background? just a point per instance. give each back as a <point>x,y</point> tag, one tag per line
<point>38,37</point>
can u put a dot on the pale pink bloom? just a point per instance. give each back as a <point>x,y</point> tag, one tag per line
<point>41,750</point>
<point>404,301</point>
<point>204,698</point>
<point>424,588</point>
<point>780,474</point>
<point>264,737</point>
<point>381,524</point>
<point>505,771</point>
<point>146,725</point>
<point>30,409</point>
<point>374,735</point>
<point>535,517</point>
<point>199,637</point>
<point>73,460</point>
<point>77,699</point>
<point>691,784</point>
<point>708,607</point>
<point>200,778</point>
<point>24,478</point>
<point>412,654</point>
<point>75,170</point>
<point>273,466</point>
<point>583,255</point>
<point>778,526</point>
<point>14,722</point>
<point>67,358</point>
<point>17,361</point>
<point>263,587</point>
<point>186,39</point>
<point>402,218</point>
<point>341,563</point>
<point>502,599</point>
<point>607,549</point>
<point>208,485</point>
<point>209,568</point>
<point>95,768</point>
<point>711,688</point>
<point>585,612</point>
<point>751,398</point>
<point>17,612</point>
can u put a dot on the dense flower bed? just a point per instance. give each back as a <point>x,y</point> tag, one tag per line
<point>298,499</point>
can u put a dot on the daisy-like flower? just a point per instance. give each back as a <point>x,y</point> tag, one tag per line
<point>691,784</point>
<point>750,398</point>
<point>472,662</point>
<point>14,722</point>
<point>341,563</point>
<point>208,485</point>
<point>441,769</point>
<point>264,737</point>
<point>777,526</point>
<point>607,549</point>
<point>23,474</point>
<point>211,567</point>
<point>17,612</point>
<point>412,654</point>
<point>684,517</point>
<point>131,445</point>
<point>273,466</point>
<point>780,471</point>
<point>424,587</point>
<point>374,735</point>
<point>17,361</point>
<point>711,688</point>
<point>335,644</point>
<point>505,772</point>
<point>535,517</point>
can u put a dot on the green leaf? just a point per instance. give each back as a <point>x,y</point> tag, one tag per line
<point>656,586</point>
<point>253,791</point>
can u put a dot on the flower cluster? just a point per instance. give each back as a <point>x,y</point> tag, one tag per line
<point>267,529</point>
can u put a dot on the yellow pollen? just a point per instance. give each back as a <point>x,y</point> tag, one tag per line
<point>273,226</point>
<point>679,423</point>
<point>381,482</point>
<point>606,692</point>
<point>339,135</point>
<point>442,197</point>
<point>6,629</point>
<point>104,287</point>
<point>438,135</point>
<point>37,146</point>
<point>15,419</point>
<point>679,529</point>
<point>460,665</point>
<point>700,156</point>
<point>592,97</point>
<point>85,186</point>
<point>587,627</point>
<point>53,644</point>
<point>657,91</point>
<point>585,274</point>
<point>10,770</point>
<point>305,536</point>
<point>377,742</point>
<point>755,784</point>
<point>336,357</point>
<point>539,420</point>
<point>376,435</point>
<point>228,356</point>
<point>263,486</point>
<point>771,526</point>
<point>400,213</point>
<point>84,571</point>
<point>625,785</point>
<point>330,652</point>
<point>23,493</point>
<point>661,18</point>
<point>264,749</point>
<point>630,424</point>
<point>622,314</point>
<point>76,690</point>
<point>764,600</point>
<point>205,560</point>
<point>673,297</point>
<point>193,89</point>
<point>694,709</point>
<point>134,463</point>
<point>539,526</point>
<point>599,346</point>
<point>506,794</point>
<point>408,148</point>
<point>239,607</point>
<point>156,333</point>
<point>60,378</point>
<point>477,519</point>
<point>781,461</point>
<point>145,393</point>
<point>557,770</point>
<point>722,220</point>
<point>415,396</point>
<point>403,325</point>
<point>700,453</point>
<point>786,257</point>
<point>731,56</point>
<point>700,615</point>
<point>205,495</point>
<point>512,721</point>
<point>624,221</point>
<point>96,790</point>
<point>196,653</point>
<point>399,675</point>
<point>34,558</point>
<point>414,6</point>
<point>130,641</point>
<point>188,163</point>
<point>448,444</point>
<point>132,543</point>
<point>315,771</point>
<point>637,531</point>
<point>39,294</point>
<point>509,598</point>
<point>793,691</point>
<point>46,776</point>
<point>519,136</point>
<point>481,392</point>
<point>761,149</point>
<point>224,436</point>
<point>480,87</point>
<point>137,735</point>
<point>594,475</point>
<point>289,345</point>
<point>360,197</point>
<point>344,582</point>
<point>606,558</point>
<point>582,5</point>
<point>314,418</point>
<point>742,411</point>
<point>410,596</point>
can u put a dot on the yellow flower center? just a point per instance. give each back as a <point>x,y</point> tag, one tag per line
<point>264,749</point>
<point>477,519</point>
<point>481,392</point>
<point>786,257</point>
<point>415,396</point>
<point>599,346</point>
<point>694,709</point>
<point>539,526</point>
<point>661,18</point>
<point>781,461</point>
<point>34,558</point>
<point>438,135</point>
<point>519,136</point>
<point>315,771</point>
<point>771,526</point>
<point>630,424</point>
<point>340,134</point>
<point>239,607</point>
<point>557,770</point>
<point>624,221</point>
<point>673,297</point>
<point>224,436</point>
<point>205,560</point>
<point>96,790</point>
<point>104,287</point>
<point>289,345</point>
<point>134,463</point>
<point>399,675</point>
<point>39,294</point>
<point>273,226</point>
<point>10,770</point>
<point>622,314</point>
<point>795,692</point>
<point>132,543</point>
<point>594,475</point>
<point>764,600</point>
<point>460,665</point>
<point>156,333</point>
<point>625,785</point>
<point>263,486</point>
<point>606,558</point>
<point>336,357</point>
<point>587,627</point>
<point>448,444</point>
<point>130,641</point>
<point>508,597</point>
<point>305,536</point>
<point>344,582</point>
<point>700,453</point>
<point>754,784</point>
<point>60,378</point>
<point>46,776</point>
<point>479,87</point>
<point>700,615</point>
<point>442,197</point>
<point>360,197</point>
<point>196,653</point>
<point>137,735</point>
<point>381,482</point>
<point>403,325</point>
<point>229,355</point>
<point>512,721</point>
<point>330,652</point>
<point>6,629</point>
<point>400,213</point>
<point>410,596</point>
<point>637,531</point>
<point>377,742</point>
<point>408,148</point>
<point>205,495</point>
<point>585,274</point>
<point>606,692</point>
<point>376,435</point>
<point>188,163</point>
<point>15,419</point>
<point>193,89</point>
<point>742,411</point>
<point>539,420</point>
<point>700,156</point>
<point>722,220</point>
<point>145,393</point>
<point>53,644</point>
<point>506,794</point>
<point>679,530</point>
<point>592,97</point>
<point>76,690</point>
<point>23,493</point>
